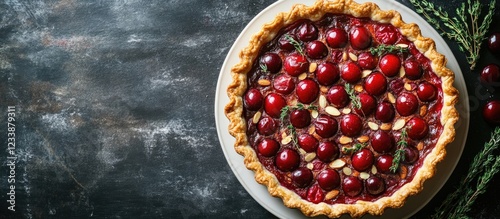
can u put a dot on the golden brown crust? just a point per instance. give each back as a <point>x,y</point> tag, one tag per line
<point>237,127</point>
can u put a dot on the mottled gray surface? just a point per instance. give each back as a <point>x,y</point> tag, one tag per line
<point>115,113</point>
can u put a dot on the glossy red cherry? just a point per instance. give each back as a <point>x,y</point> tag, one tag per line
<point>491,112</point>
<point>384,163</point>
<point>327,73</point>
<point>308,142</point>
<point>267,126</point>
<point>302,177</point>
<point>411,155</point>
<point>253,99</point>
<point>406,104</point>
<point>386,34</point>
<point>307,91</point>
<point>337,96</point>
<point>300,118</point>
<point>351,125</point>
<point>494,43</point>
<point>413,70</point>
<point>272,61</point>
<point>390,64</point>
<point>375,185</point>
<point>352,186</point>
<point>350,72</point>
<point>427,92</point>
<point>367,61</point>
<point>315,194</point>
<point>273,104</point>
<point>375,84</point>
<point>296,64</point>
<point>490,74</point>
<point>285,44</point>
<point>385,112</point>
<point>287,160</point>
<point>360,38</point>
<point>268,147</point>
<point>327,151</point>
<point>417,128</point>
<point>368,104</point>
<point>307,32</point>
<point>316,49</point>
<point>336,38</point>
<point>328,179</point>
<point>283,84</point>
<point>362,160</point>
<point>326,126</point>
<point>382,141</point>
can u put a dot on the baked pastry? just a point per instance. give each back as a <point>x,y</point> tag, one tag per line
<point>341,108</point>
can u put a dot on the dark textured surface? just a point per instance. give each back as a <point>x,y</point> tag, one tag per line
<point>114,109</point>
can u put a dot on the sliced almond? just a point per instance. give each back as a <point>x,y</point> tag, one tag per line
<point>322,101</point>
<point>353,56</point>
<point>420,146</point>
<point>332,111</point>
<point>309,157</point>
<point>344,56</point>
<point>313,66</point>
<point>284,134</point>
<point>358,88</point>
<point>302,76</point>
<point>364,175</point>
<point>402,72</point>
<point>338,163</point>
<point>347,171</point>
<point>402,45</point>
<point>391,98</point>
<point>373,126</point>
<point>399,124</point>
<point>374,170</point>
<point>386,126</point>
<point>314,114</point>
<point>423,110</point>
<point>332,194</point>
<point>365,73</point>
<point>302,151</point>
<point>346,110</point>
<point>312,129</point>
<point>264,82</point>
<point>310,166</point>
<point>323,89</point>
<point>403,172</point>
<point>256,117</point>
<point>345,140</point>
<point>363,139</point>
<point>286,140</point>
<point>408,87</point>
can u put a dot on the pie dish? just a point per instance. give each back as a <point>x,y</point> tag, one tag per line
<point>338,159</point>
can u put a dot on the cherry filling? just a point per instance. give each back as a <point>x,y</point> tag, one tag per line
<point>328,117</point>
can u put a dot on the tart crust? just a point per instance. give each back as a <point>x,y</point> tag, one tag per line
<point>237,128</point>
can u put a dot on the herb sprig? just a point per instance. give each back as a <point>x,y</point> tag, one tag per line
<point>355,99</point>
<point>399,155</point>
<point>381,49</point>
<point>298,46</point>
<point>464,29</point>
<point>482,169</point>
<point>355,148</point>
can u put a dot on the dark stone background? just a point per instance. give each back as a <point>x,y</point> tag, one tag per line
<point>114,109</point>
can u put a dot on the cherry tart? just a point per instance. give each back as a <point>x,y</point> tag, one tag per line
<point>341,108</point>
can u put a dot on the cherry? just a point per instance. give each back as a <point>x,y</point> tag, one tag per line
<point>307,91</point>
<point>375,83</point>
<point>327,73</point>
<point>491,112</point>
<point>316,49</point>
<point>385,112</point>
<point>352,186</point>
<point>337,96</point>
<point>272,61</point>
<point>351,125</point>
<point>307,32</point>
<point>328,179</point>
<point>382,141</point>
<point>302,177</point>
<point>362,160</point>
<point>287,160</point>
<point>267,126</point>
<point>494,43</point>
<point>426,92</point>
<point>253,99</point>
<point>300,118</point>
<point>273,104</point>
<point>360,38</point>
<point>285,43</point>
<point>411,155</point>
<point>336,38</point>
<point>327,151</point>
<point>336,56</point>
<point>491,73</point>
<point>283,84</point>
<point>390,64</point>
<point>386,34</point>
<point>368,104</point>
<point>412,68</point>
<point>384,163</point>
<point>350,72</point>
<point>315,194</point>
<point>417,128</point>
<point>307,142</point>
<point>375,185</point>
<point>296,64</point>
<point>326,126</point>
<point>397,85</point>
<point>268,147</point>
<point>367,61</point>
<point>406,104</point>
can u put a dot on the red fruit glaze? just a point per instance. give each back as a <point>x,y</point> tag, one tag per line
<point>386,34</point>
<point>315,194</point>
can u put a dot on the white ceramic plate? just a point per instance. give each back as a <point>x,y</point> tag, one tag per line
<point>275,205</point>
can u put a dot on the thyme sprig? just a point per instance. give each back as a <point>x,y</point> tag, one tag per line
<point>399,154</point>
<point>464,29</point>
<point>482,169</point>
<point>284,113</point>
<point>382,48</point>
<point>355,99</point>
<point>355,148</point>
<point>263,68</point>
<point>298,46</point>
